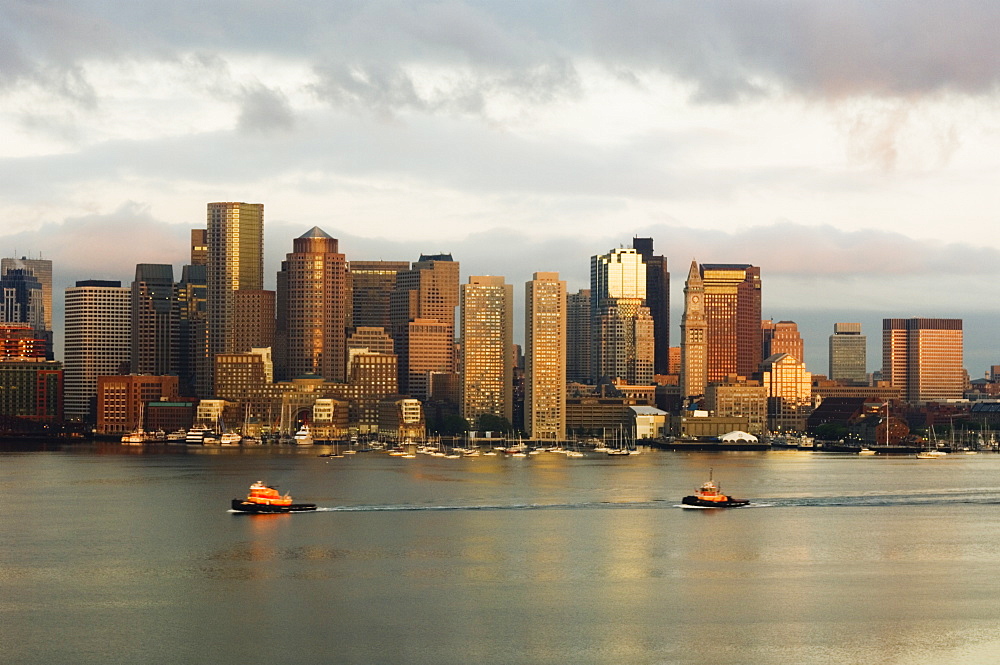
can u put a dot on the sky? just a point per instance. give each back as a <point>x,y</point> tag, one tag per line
<point>849,149</point>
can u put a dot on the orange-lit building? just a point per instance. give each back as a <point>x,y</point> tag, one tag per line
<point>924,358</point>
<point>732,313</point>
<point>122,400</point>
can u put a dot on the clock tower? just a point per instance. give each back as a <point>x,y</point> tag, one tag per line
<point>694,343</point>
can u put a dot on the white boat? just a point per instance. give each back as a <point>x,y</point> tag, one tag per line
<point>866,451</point>
<point>303,437</point>
<point>931,454</point>
<point>230,439</point>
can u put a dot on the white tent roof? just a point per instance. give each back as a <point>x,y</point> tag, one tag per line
<point>737,436</point>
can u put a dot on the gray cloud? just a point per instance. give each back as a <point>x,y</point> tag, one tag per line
<point>727,50</point>
<point>264,110</point>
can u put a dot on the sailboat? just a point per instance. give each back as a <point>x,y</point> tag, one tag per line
<point>137,436</point>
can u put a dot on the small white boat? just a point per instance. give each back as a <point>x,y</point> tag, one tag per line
<point>931,454</point>
<point>304,437</point>
<point>866,451</point>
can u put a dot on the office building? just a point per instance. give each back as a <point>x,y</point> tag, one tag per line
<point>739,398</point>
<point>848,354</point>
<point>545,357</point>
<point>622,344</point>
<point>370,339</point>
<point>428,293</point>
<point>315,285</point>
<point>789,392</point>
<point>193,367</point>
<point>19,341</point>
<point>732,313</point>
<point>122,400</point>
<point>235,262</point>
<point>98,331</point>
<point>924,358</point>
<point>781,337</point>
<point>23,299</point>
<point>31,390</point>
<point>578,336</point>
<point>155,324</point>
<point>253,316</point>
<point>372,284</point>
<point>199,247</point>
<point>487,316</point>
<point>658,302</point>
<point>40,269</point>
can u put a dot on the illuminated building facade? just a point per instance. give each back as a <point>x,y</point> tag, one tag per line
<point>924,358</point>
<point>545,357</point>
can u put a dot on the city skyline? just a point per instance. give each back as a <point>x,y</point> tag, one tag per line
<point>849,152</point>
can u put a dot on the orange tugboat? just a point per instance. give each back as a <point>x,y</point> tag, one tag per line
<point>266,499</point>
<point>710,496</point>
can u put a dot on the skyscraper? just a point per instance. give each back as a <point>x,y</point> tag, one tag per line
<point>372,284</point>
<point>155,329</point>
<point>923,358</point>
<point>545,357</point>
<point>694,337</point>
<point>848,353</point>
<point>621,326</point>
<point>732,312</point>
<point>316,274</point>
<point>193,367</point>
<point>40,269</point>
<point>781,337</point>
<point>487,315</point>
<point>658,302</point>
<point>428,293</point>
<point>578,336</point>
<point>235,261</point>
<point>98,341</point>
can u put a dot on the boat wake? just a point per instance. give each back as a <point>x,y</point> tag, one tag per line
<point>939,497</point>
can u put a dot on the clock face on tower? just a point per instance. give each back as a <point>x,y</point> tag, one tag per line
<point>695,299</point>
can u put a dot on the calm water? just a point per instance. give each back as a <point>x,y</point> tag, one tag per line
<point>109,555</point>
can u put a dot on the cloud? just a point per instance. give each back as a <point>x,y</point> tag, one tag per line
<point>264,110</point>
<point>372,52</point>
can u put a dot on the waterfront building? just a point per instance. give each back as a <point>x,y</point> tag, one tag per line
<point>98,330</point>
<point>622,344</point>
<point>578,336</point>
<point>122,400</point>
<point>658,302</point>
<point>694,338</point>
<point>32,390</point>
<point>22,300</point>
<point>372,284</point>
<point>848,358</point>
<point>781,337</point>
<point>401,419</point>
<point>739,398</point>
<point>235,262</point>
<point>924,358</point>
<point>545,357</point>
<point>732,312</point>
<point>315,285</point>
<point>789,392</point>
<point>155,325</point>
<point>372,377</point>
<point>423,303</point>
<point>487,317</point>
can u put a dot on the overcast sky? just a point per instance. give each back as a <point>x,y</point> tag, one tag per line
<point>850,148</point>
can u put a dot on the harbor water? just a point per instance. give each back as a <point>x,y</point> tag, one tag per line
<point>115,554</point>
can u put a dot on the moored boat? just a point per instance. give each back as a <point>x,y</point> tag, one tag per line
<point>709,495</point>
<point>266,499</point>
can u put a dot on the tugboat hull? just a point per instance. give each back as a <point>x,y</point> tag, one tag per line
<point>695,502</point>
<point>243,506</point>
